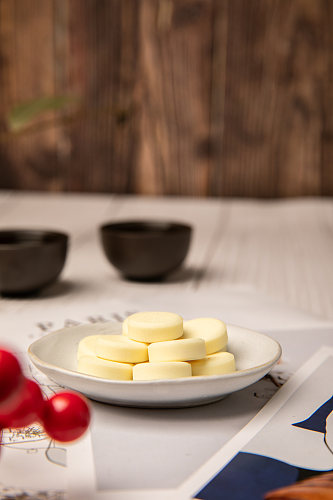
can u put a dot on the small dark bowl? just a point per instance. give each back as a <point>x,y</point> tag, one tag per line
<point>145,250</point>
<point>30,260</point>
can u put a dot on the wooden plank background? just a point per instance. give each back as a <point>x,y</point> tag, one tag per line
<point>177,97</point>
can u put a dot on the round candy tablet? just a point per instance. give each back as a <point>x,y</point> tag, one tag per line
<point>103,368</point>
<point>157,371</point>
<point>214,364</point>
<point>177,350</point>
<point>213,331</point>
<point>121,348</point>
<point>87,346</point>
<point>154,326</point>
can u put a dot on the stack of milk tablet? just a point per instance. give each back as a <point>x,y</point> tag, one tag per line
<point>158,345</point>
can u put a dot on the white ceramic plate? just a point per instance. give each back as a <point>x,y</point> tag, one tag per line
<point>55,355</point>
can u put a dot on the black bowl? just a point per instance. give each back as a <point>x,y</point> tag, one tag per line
<point>30,259</point>
<point>145,250</point>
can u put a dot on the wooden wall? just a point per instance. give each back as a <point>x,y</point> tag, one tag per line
<point>189,97</point>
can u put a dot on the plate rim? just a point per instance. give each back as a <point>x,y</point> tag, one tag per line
<point>187,380</point>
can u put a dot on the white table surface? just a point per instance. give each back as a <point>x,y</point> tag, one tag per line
<point>282,249</point>
<point>262,264</point>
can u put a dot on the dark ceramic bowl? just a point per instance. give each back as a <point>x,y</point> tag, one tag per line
<point>145,250</point>
<point>30,259</point>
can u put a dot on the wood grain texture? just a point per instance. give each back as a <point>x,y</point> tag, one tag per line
<point>27,56</point>
<point>176,43</point>
<point>103,38</point>
<point>189,97</point>
<point>277,61</point>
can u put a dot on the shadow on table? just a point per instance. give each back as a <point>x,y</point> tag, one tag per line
<point>57,289</point>
<point>61,287</point>
<point>243,404</point>
<point>195,274</point>
<point>181,275</point>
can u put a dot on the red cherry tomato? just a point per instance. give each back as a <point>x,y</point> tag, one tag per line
<point>11,379</point>
<point>66,416</point>
<point>28,409</point>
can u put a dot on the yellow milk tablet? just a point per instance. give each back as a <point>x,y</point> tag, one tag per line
<point>87,345</point>
<point>214,364</point>
<point>156,371</point>
<point>121,348</point>
<point>177,350</point>
<point>213,331</point>
<point>154,326</point>
<point>98,367</point>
